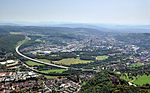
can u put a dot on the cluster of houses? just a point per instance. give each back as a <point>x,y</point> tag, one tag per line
<point>14,82</point>
<point>11,64</point>
<point>16,76</point>
<point>67,46</point>
<point>89,43</point>
<point>86,76</point>
<point>63,85</point>
<point>29,86</point>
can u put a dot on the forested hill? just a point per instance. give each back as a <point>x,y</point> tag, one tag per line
<point>9,42</point>
<point>108,82</point>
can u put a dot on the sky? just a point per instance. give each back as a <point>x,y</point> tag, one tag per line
<point>78,11</point>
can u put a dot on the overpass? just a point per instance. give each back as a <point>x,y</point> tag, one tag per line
<point>54,65</point>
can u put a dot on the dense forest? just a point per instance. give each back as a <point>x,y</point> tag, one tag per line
<point>9,42</point>
<point>108,82</point>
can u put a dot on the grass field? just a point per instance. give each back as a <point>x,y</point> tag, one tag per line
<point>138,80</point>
<point>44,60</point>
<point>142,80</point>
<point>31,63</point>
<point>136,65</point>
<point>70,61</point>
<point>102,57</point>
<point>54,70</point>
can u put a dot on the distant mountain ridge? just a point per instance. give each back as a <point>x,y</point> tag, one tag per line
<point>47,30</point>
<point>102,27</point>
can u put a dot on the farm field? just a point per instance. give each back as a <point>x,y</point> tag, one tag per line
<point>102,57</point>
<point>54,70</point>
<point>70,61</point>
<point>31,63</point>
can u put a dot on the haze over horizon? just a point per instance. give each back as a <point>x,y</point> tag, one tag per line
<point>135,12</point>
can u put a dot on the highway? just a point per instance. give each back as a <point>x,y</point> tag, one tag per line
<point>59,66</point>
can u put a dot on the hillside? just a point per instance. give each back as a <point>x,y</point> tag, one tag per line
<point>9,42</point>
<point>108,82</point>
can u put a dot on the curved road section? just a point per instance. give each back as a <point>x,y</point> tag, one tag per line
<point>17,50</point>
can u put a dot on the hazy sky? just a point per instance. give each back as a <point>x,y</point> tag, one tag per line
<point>84,11</point>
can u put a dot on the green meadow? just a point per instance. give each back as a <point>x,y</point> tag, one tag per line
<point>31,63</point>
<point>102,57</point>
<point>54,70</point>
<point>70,61</point>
